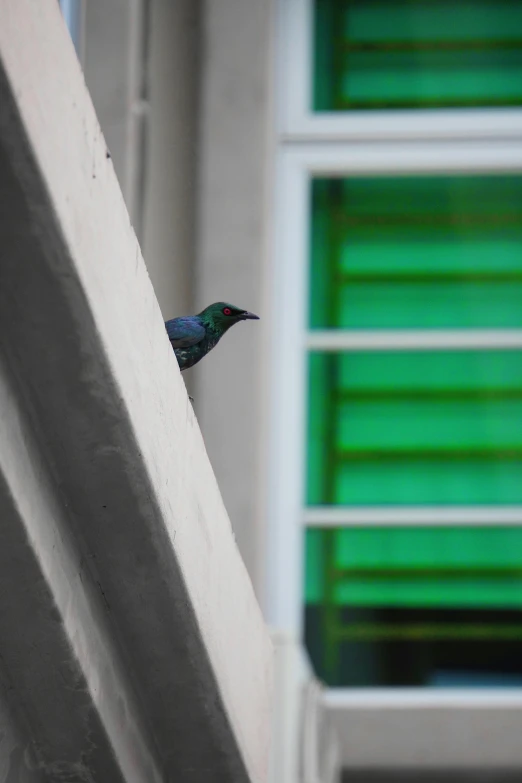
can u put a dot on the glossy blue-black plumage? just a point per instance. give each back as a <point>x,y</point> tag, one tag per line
<point>185,331</point>
<point>193,336</point>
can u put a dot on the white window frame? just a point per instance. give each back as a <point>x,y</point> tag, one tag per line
<point>299,122</point>
<point>297,164</point>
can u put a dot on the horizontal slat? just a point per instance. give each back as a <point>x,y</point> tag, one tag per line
<point>424,482</point>
<point>436,429</point>
<point>463,45</point>
<point>422,549</point>
<point>430,103</point>
<point>432,454</point>
<point>411,372</point>
<point>456,219</point>
<point>410,340</point>
<point>422,305</point>
<point>431,698</point>
<point>429,276</point>
<point>423,632</point>
<point>426,395</point>
<point>420,573</point>
<point>406,516</point>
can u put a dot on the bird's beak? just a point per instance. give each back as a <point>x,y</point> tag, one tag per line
<point>250,316</point>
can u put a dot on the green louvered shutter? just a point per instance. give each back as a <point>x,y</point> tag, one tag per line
<point>415,428</point>
<point>404,54</point>
<point>404,429</point>
<point>429,427</point>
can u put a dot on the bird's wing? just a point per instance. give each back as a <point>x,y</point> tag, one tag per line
<point>184,332</point>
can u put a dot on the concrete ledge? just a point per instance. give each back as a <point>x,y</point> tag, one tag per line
<point>421,729</point>
<point>127,562</point>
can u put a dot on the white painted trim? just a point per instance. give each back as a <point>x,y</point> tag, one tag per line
<point>427,728</point>
<point>420,125</point>
<point>424,698</point>
<point>447,142</point>
<point>298,122</point>
<point>283,589</point>
<point>409,340</point>
<point>406,516</point>
<point>291,341</point>
<point>295,62</point>
<point>403,158</point>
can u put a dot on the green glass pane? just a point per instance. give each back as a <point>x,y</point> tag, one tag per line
<point>427,547</point>
<point>423,567</point>
<point>425,305</point>
<point>484,373</point>
<point>416,252</point>
<point>429,593</point>
<point>415,427</point>
<point>402,426</point>
<point>424,480</point>
<point>371,54</point>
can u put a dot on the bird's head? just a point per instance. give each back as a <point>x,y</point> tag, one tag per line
<point>222,316</point>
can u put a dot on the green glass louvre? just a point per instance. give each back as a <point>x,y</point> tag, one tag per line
<point>416,252</point>
<point>403,54</point>
<point>427,427</point>
<point>415,428</point>
<point>414,606</point>
<point>415,567</point>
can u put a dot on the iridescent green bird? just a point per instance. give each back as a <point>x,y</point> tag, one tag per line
<point>193,336</point>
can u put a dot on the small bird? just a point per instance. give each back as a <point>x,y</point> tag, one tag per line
<point>193,336</point>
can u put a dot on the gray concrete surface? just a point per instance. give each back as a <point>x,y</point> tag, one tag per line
<point>59,665</point>
<point>233,238</point>
<point>114,54</point>
<point>131,644</point>
<point>184,94</point>
<point>171,152</point>
<point>142,69</point>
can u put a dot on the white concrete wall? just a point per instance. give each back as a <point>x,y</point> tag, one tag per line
<point>234,194</point>
<point>138,652</point>
<point>171,152</point>
<point>114,51</point>
<point>142,70</point>
<point>184,94</point>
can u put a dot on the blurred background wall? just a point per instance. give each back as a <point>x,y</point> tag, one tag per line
<point>349,170</point>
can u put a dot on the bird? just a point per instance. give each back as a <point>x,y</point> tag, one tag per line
<point>193,336</point>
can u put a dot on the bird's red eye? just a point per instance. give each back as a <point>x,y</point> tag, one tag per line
<point>227,311</point>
